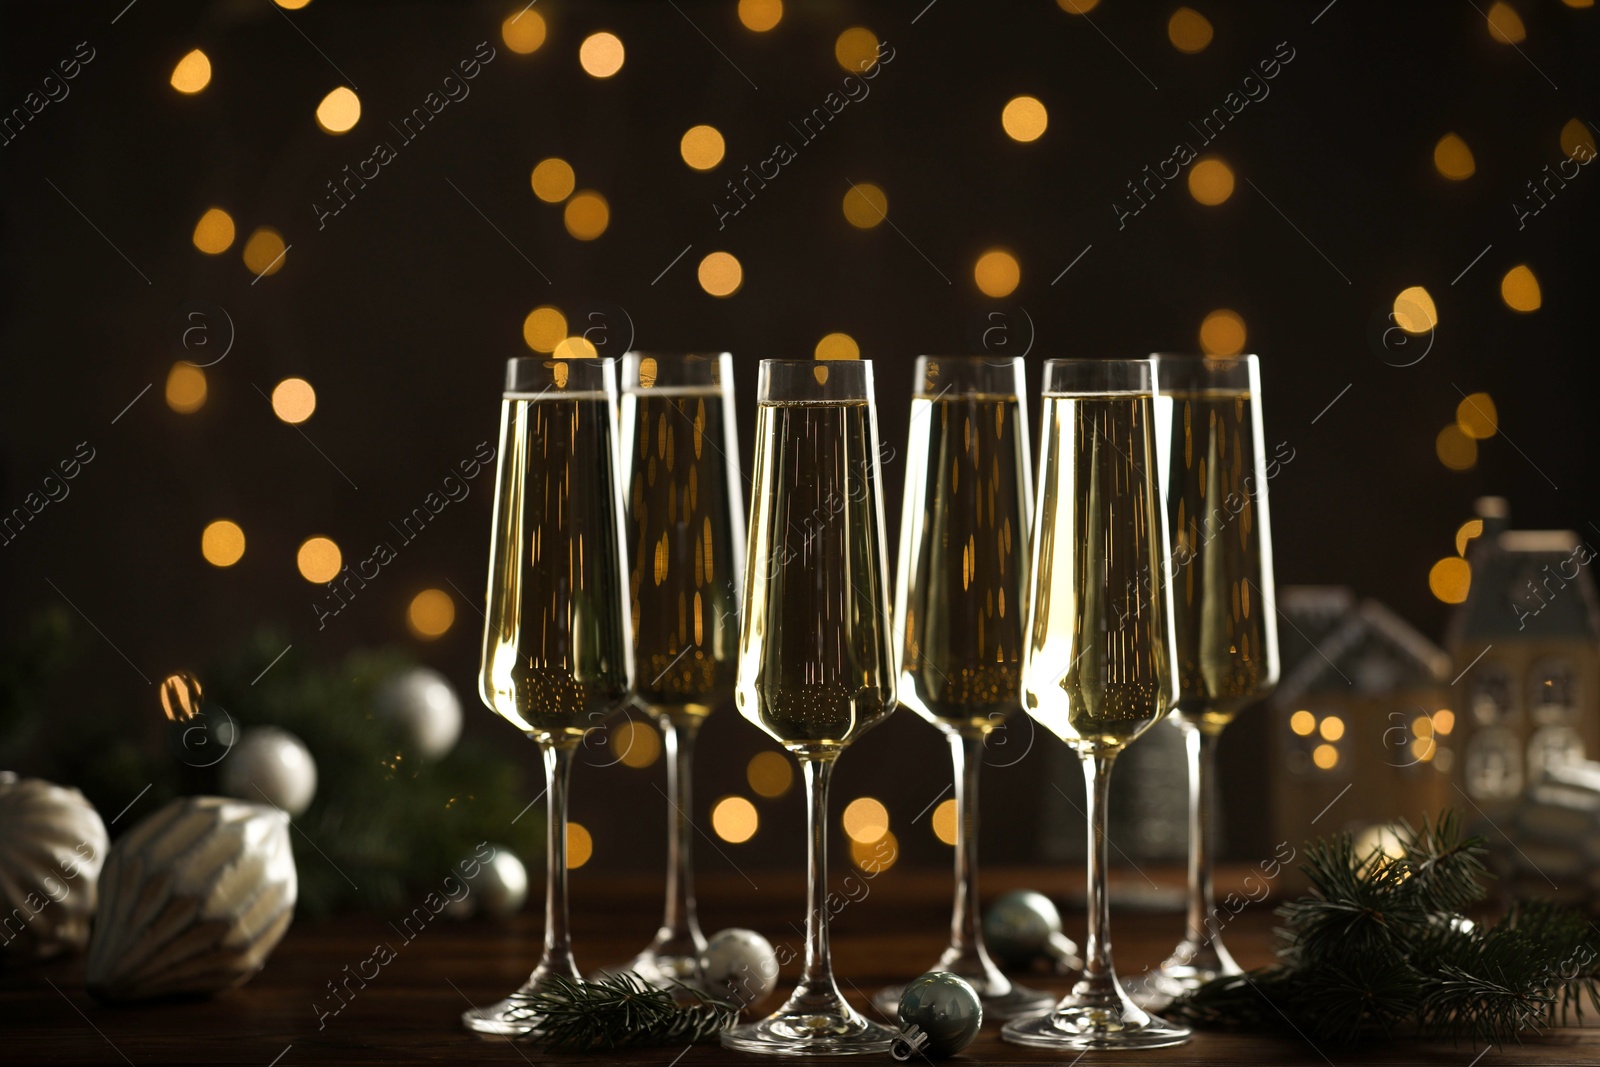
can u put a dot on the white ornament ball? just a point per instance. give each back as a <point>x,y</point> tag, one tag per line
<point>272,766</point>
<point>500,887</point>
<point>739,965</point>
<point>52,844</point>
<point>423,705</point>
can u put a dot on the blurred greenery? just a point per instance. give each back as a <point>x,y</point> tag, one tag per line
<point>384,819</point>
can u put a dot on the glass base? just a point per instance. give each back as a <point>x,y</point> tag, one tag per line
<point>511,1017</point>
<point>798,1031</point>
<point>1013,1002</point>
<point>1072,1025</point>
<point>660,969</point>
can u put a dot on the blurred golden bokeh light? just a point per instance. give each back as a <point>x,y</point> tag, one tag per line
<point>769,774</point>
<point>1453,159</point>
<point>430,614</point>
<point>945,821</point>
<point>265,252</point>
<point>1444,720</point>
<point>339,111</point>
<point>1505,25</point>
<point>291,5</point>
<point>1414,311</point>
<point>580,845</point>
<point>319,560</point>
<point>1210,181</point>
<point>702,147</point>
<point>1326,757</point>
<point>1024,118</point>
<point>293,400</point>
<point>1450,579</point>
<point>1520,289</point>
<point>1331,728</point>
<point>586,215</point>
<point>544,328</point>
<point>186,388</point>
<point>1472,528</point>
<point>735,820</point>
<point>1479,419</point>
<point>865,205</point>
<point>553,180</point>
<point>214,233</point>
<point>1455,449</point>
<point>876,856</point>
<point>575,347</point>
<point>1303,723</point>
<point>856,49</point>
<point>1577,141</point>
<point>720,274</point>
<point>838,346</point>
<point>1077,7</point>
<point>601,54</point>
<point>524,31</point>
<point>1222,333</point>
<point>1189,31</point>
<point>865,820</point>
<point>192,73</point>
<point>997,273</point>
<point>222,543</point>
<point>760,15</point>
<point>181,696</point>
<point>636,744</point>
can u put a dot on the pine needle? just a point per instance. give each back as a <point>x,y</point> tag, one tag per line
<point>624,1011</point>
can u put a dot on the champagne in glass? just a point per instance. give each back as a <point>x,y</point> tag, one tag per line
<point>1099,661</point>
<point>685,530</point>
<point>1215,471</point>
<point>816,667</point>
<point>556,656</point>
<point>959,605</point>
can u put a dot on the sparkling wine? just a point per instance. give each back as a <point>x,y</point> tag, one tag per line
<point>1099,666</point>
<point>683,505</point>
<point>1226,637</point>
<point>962,587</point>
<point>816,667</point>
<point>557,658</point>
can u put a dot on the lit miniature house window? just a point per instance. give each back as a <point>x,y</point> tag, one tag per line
<point>1553,708</point>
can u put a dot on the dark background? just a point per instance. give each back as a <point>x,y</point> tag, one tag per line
<point>403,309</point>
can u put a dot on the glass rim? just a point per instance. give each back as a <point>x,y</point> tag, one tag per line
<point>815,381</point>
<point>1202,357</point>
<point>602,367</point>
<point>1108,369</point>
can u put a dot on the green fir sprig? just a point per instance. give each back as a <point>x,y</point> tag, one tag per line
<point>1380,947</point>
<point>624,1011</point>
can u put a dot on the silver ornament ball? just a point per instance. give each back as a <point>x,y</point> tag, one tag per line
<point>272,766</point>
<point>500,887</point>
<point>422,704</point>
<point>944,1007</point>
<point>740,966</point>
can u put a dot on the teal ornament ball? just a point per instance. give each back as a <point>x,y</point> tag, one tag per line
<point>945,1008</point>
<point>1019,927</point>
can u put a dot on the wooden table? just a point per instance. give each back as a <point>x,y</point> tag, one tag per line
<point>409,1012</point>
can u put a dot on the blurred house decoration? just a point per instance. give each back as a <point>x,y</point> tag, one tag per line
<point>1555,825</point>
<point>1525,645</point>
<point>1360,721</point>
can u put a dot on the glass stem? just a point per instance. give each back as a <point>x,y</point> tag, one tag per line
<point>557,939</point>
<point>680,928</point>
<point>1208,953</point>
<point>816,981</point>
<point>1099,981</point>
<point>966,932</point>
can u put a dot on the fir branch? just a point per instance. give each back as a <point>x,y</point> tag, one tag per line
<point>1379,946</point>
<point>624,1011</point>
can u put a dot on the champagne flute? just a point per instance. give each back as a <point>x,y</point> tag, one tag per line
<point>685,530</point>
<point>958,609</point>
<point>556,654</point>
<point>1099,664</point>
<point>816,667</point>
<point>1214,467</point>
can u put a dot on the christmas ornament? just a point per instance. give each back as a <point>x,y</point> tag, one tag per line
<point>623,1011</point>
<point>192,900</point>
<point>52,845</point>
<point>1379,946</point>
<point>422,704</point>
<point>940,1014</point>
<point>739,965</point>
<point>272,766</point>
<point>500,887</point>
<point>1023,926</point>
